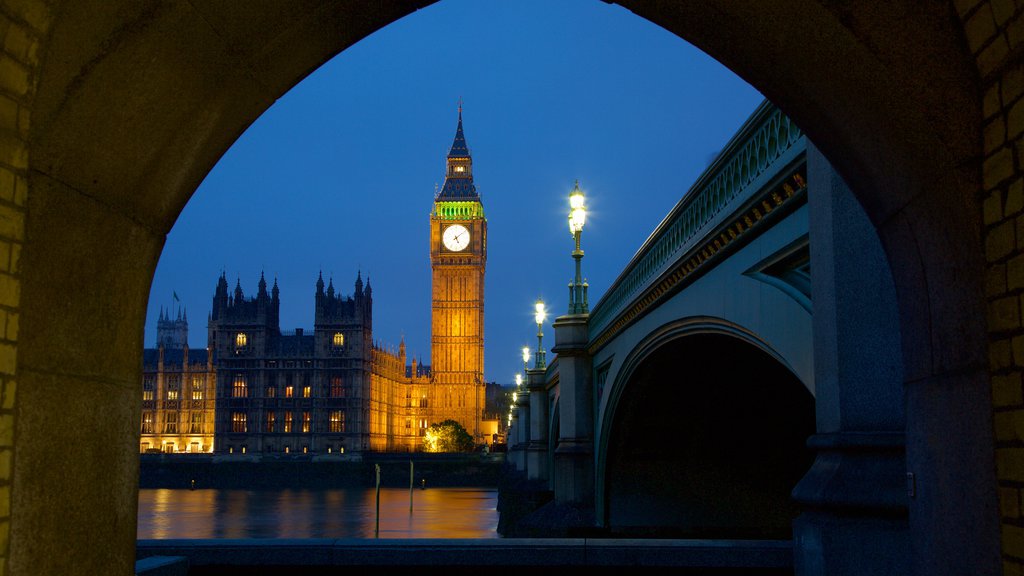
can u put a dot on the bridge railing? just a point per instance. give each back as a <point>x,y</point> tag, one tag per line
<point>767,141</point>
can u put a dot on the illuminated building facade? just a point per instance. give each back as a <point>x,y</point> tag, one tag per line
<point>332,391</point>
<point>255,390</point>
<point>458,258</point>
<point>178,392</point>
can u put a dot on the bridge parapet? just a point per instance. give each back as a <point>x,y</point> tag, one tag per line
<point>753,160</point>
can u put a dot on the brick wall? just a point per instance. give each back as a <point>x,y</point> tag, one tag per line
<point>994,30</point>
<point>23,25</point>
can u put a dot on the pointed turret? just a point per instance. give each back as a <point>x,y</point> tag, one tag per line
<point>275,292</point>
<point>359,284</point>
<point>262,293</point>
<point>458,181</point>
<point>330,287</point>
<point>320,283</point>
<point>238,290</point>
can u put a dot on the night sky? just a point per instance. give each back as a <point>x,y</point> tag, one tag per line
<point>338,176</point>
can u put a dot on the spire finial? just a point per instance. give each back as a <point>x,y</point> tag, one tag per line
<point>460,108</point>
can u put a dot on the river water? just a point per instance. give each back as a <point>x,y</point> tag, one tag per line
<point>339,513</point>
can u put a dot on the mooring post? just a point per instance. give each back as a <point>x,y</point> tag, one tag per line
<point>376,527</point>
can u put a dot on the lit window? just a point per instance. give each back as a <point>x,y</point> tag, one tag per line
<point>306,390</point>
<point>238,420</point>
<point>171,426</point>
<point>339,339</point>
<point>172,394</point>
<point>147,394</point>
<point>287,449</point>
<point>197,394</point>
<point>197,388</point>
<point>271,391</point>
<point>305,422</point>
<point>460,168</point>
<point>196,426</point>
<point>241,340</point>
<point>271,421</point>
<point>337,421</point>
<point>287,421</point>
<point>305,449</point>
<point>147,422</point>
<point>289,391</point>
<point>239,389</point>
<point>337,387</point>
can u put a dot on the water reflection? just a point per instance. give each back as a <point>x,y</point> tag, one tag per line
<point>343,513</point>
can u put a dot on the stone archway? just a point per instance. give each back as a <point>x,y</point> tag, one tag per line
<point>708,439</point>
<point>119,113</point>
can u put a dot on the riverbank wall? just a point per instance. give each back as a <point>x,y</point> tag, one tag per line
<point>319,473</point>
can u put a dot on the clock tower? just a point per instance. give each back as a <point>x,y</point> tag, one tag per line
<point>458,256</point>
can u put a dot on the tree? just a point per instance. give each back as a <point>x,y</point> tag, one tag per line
<point>447,436</point>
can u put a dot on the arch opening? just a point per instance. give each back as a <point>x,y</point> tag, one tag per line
<point>707,441</point>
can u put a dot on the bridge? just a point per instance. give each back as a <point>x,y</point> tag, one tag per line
<point>723,387</point>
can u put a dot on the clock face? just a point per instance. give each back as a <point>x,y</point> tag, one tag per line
<point>455,237</point>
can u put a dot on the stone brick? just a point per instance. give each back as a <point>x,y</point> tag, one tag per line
<point>1014,122</point>
<point>11,331</point>
<point>996,168</point>
<point>980,28</point>
<point>8,114</point>
<point>14,77</point>
<point>993,56</point>
<point>999,242</point>
<point>22,45</point>
<point>965,7</point>
<point>994,132</point>
<point>1004,314</point>
<point>5,465</point>
<point>1011,569</point>
<point>1015,272</point>
<point>1009,426</point>
<point>1014,198</point>
<point>12,222</point>
<point>10,390</point>
<point>1012,84</point>
<point>1013,540</point>
<point>1007,390</point>
<point>996,279</point>
<point>24,122</point>
<point>10,293</point>
<point>8,358</point>
<point>992,208</point>
<point>36,14</point>
<point>20,190</point>
<point>1003,10</point>
<point>1000,354</point>
<point>1009,462</point>
<point>1009,502</point>
<point>991,104</point>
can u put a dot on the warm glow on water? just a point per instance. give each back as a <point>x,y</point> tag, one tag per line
<point>346,513</point>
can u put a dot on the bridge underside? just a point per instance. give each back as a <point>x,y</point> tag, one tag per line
<point>707,442</point>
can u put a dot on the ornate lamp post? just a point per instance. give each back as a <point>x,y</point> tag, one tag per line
<point>577,217</point>
<point>519,381</point>
<point>526,358</point>
<point>539,315</point>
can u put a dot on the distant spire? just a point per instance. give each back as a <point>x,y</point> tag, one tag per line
<point>330,287</point>
<point>359,283</point>
<point>274,292</point>
<point>262,285</point>
<point>320,282</point>
<point>459,147</point>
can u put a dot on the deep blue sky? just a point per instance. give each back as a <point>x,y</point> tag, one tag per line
<point>339,174</point>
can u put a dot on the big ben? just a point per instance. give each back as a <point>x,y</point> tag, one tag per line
<point>458,257</point>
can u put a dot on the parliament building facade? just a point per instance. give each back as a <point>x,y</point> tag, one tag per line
<point>335,390</point>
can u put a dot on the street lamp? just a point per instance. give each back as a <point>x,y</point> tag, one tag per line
<point>526,358</point>
<point>519,380</point>
<point>539,314</point>
<point>577,217</point>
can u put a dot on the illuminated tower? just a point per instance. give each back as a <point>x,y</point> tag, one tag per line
<point>458,256</point>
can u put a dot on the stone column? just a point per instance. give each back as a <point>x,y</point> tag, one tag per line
<point>537,446</point>
<point>855,496</point>
<point>521,420</point>
<point>573,480</point>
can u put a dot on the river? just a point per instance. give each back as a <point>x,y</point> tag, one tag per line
<point>338,513</point>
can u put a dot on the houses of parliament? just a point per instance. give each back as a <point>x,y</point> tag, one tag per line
<point>335,389</point>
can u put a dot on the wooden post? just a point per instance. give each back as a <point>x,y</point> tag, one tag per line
<point>376,528</point>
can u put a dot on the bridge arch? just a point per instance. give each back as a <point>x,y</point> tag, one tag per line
<point>122,112</point>
<point>703,435</point>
